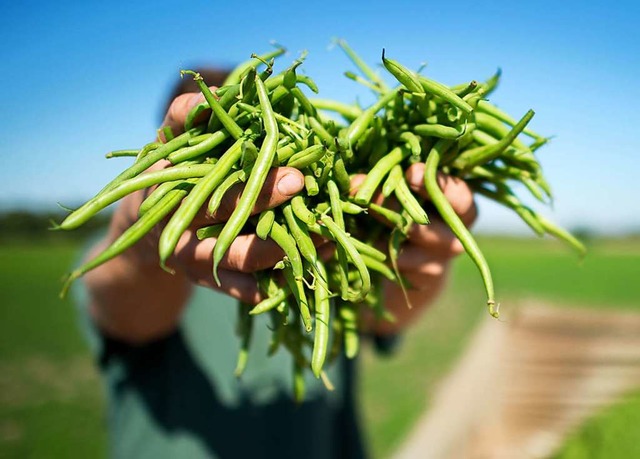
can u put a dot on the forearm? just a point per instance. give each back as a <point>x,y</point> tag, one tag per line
<point>131,297</point>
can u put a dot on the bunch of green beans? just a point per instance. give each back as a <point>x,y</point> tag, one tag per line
<point>261,120</point>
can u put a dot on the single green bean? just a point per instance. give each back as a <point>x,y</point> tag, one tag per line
<point>410,203</point>
<point>236,75</point>
<point>265,222</point>
<point>343,239</point>
<point>301,211</point>
<point>306,157</point>
<point>378,173</point>
<point>121,153</point>
<point>322,318</point>
<point>453,221</point>
<point>256,180</point>
<point>93,206</point>
<point>405,76</point>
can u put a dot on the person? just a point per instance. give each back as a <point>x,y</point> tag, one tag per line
<point>166,346</point>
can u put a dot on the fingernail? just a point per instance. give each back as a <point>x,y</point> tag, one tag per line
<point>290,184</point>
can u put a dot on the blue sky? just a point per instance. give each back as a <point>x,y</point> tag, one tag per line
<point>79,79</point>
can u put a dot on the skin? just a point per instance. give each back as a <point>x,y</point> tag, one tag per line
<point>134,300</point>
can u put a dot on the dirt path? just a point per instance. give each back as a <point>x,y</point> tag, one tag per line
<point>525,383</point>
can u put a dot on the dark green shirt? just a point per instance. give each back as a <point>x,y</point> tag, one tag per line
<point>178,397</point>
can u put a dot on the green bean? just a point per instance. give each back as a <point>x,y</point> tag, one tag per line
<point>341,253</point>
<point>320,131</point>
<point>194,113</point>
<point>364,249</point>
<point>406,77</point>
<point>362,66</point>
<point>395,176</point>
<point>561,234</point>
<point>281,119</point>
<point>297,289</point>
<point>323,317</point>
<point>453,221</point>
<point>340,174</point>
<point>301,211</point>
<point>232,179</point>
<point>343,239</point>
<point>496,128</point>
<point>349,329</point>
<point>506,197</point>
<point>491,83</point>
<point>306,157</point>
<point>482,155</point>
<point>349,112</point>
<point>398,236</point>
<point>378,172</point>
<point>265,222</point>
<point>300,235</point>
<point>152,158</point>
<point>198,139</point>
<point>254,183</point>
<point>159,193</point>
<point>412,141</point>
<point>229,123</point>
<point>199,149</point>
<point>305,104</point>
<point>121,153</point>
<point>438,130</point>
<point>167,132</point>
<point>393,217</point>
<point>236,75</point>
<point>466,89</point>
<point>380,267</point>
<point>147,148</point>
<point>132,234</point>
<point>209,231</point>
<point>351,208</point>
<point>287,243</point>
<point>272,301</point>
<point>410,203</point>
<point>311,184</point>
<point>244,331</point>
<point>94,205</point>
<point>362,122</point>
<point>490,109</point>
<point>366,83</point>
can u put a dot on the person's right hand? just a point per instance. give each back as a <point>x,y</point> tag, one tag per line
<point>133,298</point>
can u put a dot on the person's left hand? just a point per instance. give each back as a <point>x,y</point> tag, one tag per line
<point>426,254</point>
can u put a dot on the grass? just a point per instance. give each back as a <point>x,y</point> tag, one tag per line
<point>396,391</point>
<point>51,403</point>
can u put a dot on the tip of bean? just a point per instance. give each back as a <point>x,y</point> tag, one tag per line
<point>494,309</point>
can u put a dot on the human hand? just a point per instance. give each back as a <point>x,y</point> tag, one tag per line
<point>426,254</point>
<point>134,299</point>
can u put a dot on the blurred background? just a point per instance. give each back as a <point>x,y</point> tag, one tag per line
<point>80,79</point>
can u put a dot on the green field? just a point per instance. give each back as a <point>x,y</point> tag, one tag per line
<point>52,405</point>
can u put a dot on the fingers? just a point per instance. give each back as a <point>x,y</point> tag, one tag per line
<point>436,237</point>
<point>455,190</point>
<point>247,254</point>
<point>281,184</point>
